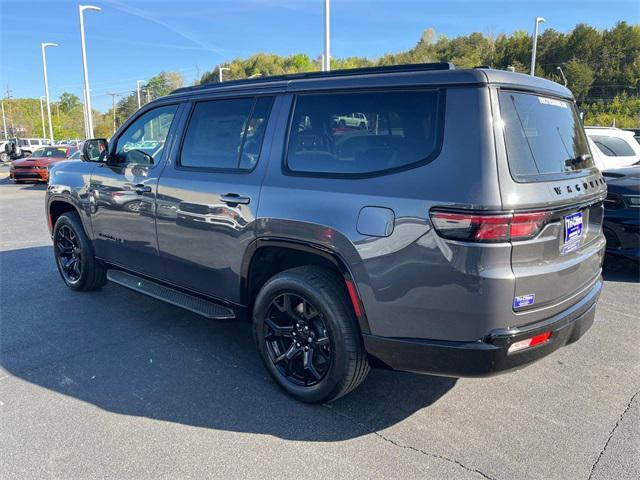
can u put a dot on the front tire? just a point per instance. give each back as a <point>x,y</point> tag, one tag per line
<point>307,335</point>
<point>76,262</point>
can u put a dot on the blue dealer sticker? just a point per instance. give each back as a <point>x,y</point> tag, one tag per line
<point>572,227</point>
<point>524,300</point>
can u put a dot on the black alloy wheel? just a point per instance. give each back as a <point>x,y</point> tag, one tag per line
<point>73,252</point>
<point>69,254</point>
<point>307,334</point>
<point>297,341</point>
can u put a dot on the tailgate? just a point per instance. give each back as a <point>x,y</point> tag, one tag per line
<point>545,166</point>
<point>562,261</point>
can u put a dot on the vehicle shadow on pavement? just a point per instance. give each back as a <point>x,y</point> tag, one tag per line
<point>24,186</point>
<point>618,269</point>
<point>131,355</point>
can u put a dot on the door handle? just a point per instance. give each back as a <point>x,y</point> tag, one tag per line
<point>141,188</point>
<point>235,199</point>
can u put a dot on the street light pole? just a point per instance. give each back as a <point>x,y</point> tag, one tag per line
<point>220,70</point>
<point>326,60</point>
<point>87,106</point>
<point>4,123</point>
<point>564,79</point>
<point>113,108</point>
<point>138,82</point>
<point>44,134</point>
<point>539,20</point>
<point>46,85</point>
<point>84,110</point>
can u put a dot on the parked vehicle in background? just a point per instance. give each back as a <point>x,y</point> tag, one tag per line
<point>440,241</point>
<point>636,133</point>
<point>351,120</point>
<point>36,167</point>
<point>23,147</point>
<point>622,212</point>
<point>613,147</point>
<point>77,155</point>
<point>5,151</point>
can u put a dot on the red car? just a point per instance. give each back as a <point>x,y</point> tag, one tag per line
<point>36,167</point>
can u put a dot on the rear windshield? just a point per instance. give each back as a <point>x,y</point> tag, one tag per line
<point>613,146</point>
<point>543,136</point>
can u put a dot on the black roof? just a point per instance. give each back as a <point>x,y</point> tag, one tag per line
<point>409,74</point>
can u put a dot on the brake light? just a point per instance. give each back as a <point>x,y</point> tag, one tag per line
<point>527,225</point>
<point>529,342</point>
<point>479,227</point>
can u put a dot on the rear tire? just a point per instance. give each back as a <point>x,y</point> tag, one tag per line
<point>76,262</point>
<point>316,332</point>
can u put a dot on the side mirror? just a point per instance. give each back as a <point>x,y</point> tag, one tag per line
<point>95,150</point>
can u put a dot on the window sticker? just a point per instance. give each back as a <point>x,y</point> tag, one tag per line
<point>552,102</point>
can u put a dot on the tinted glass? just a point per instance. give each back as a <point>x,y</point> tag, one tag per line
<point>254,134</point>
<point>225,134</point>
<point>543,136</point>
<point>355,133</point>
<point>51,152</point>
<point>613,146</point>
<point>143,141</point>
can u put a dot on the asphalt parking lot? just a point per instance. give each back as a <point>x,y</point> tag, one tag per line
<point>112,384</point>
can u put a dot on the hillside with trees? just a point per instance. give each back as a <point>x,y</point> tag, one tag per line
<point>602,68</point>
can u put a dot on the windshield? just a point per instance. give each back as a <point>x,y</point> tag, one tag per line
<point>543,136</point>
<point>51,152</point>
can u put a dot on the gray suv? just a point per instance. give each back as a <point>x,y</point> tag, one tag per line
<point>458,233</point>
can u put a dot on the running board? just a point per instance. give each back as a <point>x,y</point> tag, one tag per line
<point>170,295</point>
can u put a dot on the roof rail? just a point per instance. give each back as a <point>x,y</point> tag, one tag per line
<point>411,67</point>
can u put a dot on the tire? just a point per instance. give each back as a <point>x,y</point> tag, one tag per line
<point>363,126</point>
<point>342,124</point>
<point>337,363</point>
<point>71,242</point>
<point>4,157</point>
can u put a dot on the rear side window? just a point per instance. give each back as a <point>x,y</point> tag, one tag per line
<point>226,134</point>
<point>364,133</point>
<point>543,136</point>
<point>613,146</point>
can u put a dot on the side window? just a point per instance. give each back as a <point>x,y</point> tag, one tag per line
<point>226,134</point>
<point>143,141</point>
<point>613,146</point>
<point>363,133</point>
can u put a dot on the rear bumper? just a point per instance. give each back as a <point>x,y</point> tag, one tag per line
<point>485,357</point>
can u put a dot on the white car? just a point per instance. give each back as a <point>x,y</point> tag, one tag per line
<point>612,147</point>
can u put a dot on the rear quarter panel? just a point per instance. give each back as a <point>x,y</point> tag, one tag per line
<point>69,182</point>
<point>412,283</point>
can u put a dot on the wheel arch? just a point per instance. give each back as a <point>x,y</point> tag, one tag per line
<point>56,208</point>
<point>266,257</point>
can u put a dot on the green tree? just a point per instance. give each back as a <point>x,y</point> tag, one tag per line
<point>579,78</point>
<point>68,101</point>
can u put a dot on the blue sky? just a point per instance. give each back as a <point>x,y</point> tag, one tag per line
<point>131,40</point>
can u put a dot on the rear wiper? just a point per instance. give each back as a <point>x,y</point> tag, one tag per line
<point>577,160</point>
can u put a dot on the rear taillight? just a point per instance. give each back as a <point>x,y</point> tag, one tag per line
<point>480,227</point>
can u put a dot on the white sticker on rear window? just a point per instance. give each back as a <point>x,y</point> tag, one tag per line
<point>552,102</point>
